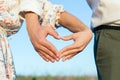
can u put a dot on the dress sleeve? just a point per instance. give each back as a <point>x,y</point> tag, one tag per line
<point>51,14</point>
<point>32,6</point>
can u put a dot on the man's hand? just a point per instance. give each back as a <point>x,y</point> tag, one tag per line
<point>81,39</point>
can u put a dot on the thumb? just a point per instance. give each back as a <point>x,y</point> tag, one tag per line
<point>53,33</point>
<point>66,38</point>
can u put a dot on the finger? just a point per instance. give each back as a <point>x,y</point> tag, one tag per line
<point>67,57</point>
<point>53,33</point>
<point>66,38</point>
<point>50,50</point>
<point>66,49</point>
<point>69,52</point>
<point>46,57</point>
<point>43,57</point>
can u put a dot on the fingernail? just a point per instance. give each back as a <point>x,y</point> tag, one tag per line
<point>47,60</point>
<point>63,59</point>
<point>53,61</point>
<point>57,59</point>
<point>59,37</point>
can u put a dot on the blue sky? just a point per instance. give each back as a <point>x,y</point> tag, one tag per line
<point>28,62</point>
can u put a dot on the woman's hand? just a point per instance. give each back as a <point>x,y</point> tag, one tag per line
<point>38,36</point>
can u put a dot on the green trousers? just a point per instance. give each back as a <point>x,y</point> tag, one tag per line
<point>107,53</point>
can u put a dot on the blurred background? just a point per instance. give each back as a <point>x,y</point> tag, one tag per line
<point>29,63</point>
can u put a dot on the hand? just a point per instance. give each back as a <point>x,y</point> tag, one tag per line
<point>81,39</point>
<point>45,49</point>
<point>38,36</point>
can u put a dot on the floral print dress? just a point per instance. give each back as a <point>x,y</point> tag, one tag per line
<point>51,14</point>
<point>10,23</point>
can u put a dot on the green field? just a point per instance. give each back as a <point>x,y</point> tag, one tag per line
<point>54,78</point>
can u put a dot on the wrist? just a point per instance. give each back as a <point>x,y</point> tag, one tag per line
<point>31,19</point>
<point>30,16</point>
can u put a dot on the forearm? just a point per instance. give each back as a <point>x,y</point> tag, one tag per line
<point>31,19</point>
<point>71,22</point>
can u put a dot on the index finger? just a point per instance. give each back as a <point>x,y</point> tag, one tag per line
<point>73,48</point>
<point>50,47</point>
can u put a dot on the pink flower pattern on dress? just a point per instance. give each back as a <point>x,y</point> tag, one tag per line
<point>9,17</point>
<point>7,70</point>
<point>10,23</point>
<point>51,14</point>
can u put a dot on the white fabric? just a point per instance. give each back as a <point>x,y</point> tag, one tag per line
<point>32,5</point>
<point>105,12</point>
